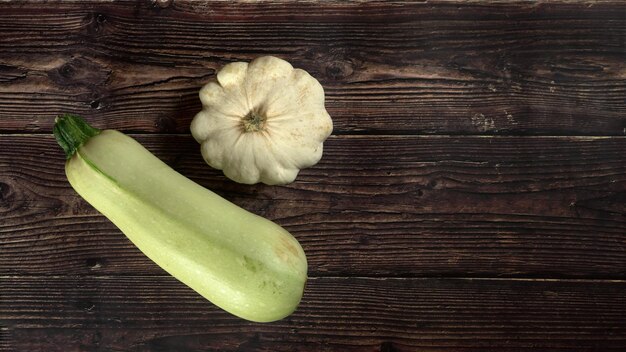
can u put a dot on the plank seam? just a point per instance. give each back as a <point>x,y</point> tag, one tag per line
<point>374,278</point>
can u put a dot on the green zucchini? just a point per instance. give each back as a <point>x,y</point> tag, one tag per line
<point>243,263</point>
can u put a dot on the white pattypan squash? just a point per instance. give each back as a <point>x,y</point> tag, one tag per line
<point>262,121</point>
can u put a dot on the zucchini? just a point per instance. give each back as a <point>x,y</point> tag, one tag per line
<point>243,263</point>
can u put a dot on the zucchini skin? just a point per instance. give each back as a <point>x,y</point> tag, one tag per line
<point>241,262</point>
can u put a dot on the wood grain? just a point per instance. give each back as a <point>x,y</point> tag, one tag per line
<point>61,313</point>
<point>6,340</point>
<point>393,68</point>
<point>472,197</point>
<point>384,206</point>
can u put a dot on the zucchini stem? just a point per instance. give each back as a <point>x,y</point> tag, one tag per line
<point>71,131</point>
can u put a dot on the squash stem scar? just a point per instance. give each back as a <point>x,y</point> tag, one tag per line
<point>253,122</point>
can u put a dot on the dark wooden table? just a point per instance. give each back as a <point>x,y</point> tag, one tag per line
<point>472,196</point>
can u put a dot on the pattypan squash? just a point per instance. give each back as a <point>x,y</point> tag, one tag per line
<point>262,121</point>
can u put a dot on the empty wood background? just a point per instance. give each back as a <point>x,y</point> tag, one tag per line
<point>472,196</point>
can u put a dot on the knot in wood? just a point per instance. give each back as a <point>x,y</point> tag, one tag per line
<point>162,3</point>
<point>339,69</point>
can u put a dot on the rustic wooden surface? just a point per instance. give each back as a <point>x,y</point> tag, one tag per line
<point>472,197</point>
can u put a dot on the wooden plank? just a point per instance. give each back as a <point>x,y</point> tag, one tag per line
<point>401,67</point>
<point>374,206</point>
<point>60,313</point>
<point>6,341</point>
